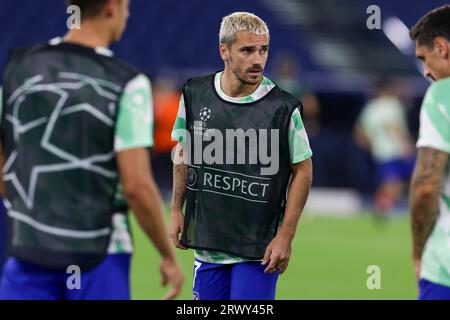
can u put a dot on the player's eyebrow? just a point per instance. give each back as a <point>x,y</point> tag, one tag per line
<point>245,48</point>
<point>252,48</point>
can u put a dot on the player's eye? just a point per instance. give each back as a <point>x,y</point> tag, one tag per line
<point>247,50</point>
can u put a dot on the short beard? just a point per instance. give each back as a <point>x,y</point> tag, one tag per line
<point>241,79</point>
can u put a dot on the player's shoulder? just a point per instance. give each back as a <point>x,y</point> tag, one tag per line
<point>138,82</point>
<point>438,92</point>
<point>16,56</point>
<point>127,68</point>
<point>21,52</point>
<point>285,96</point>
<point>278,93</point>
<point>196,84</point>
<point>113,64</point>
<point>205,79</point>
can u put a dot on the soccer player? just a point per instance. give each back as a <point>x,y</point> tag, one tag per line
<point>236,217</point>
<point>382,129</point>
<point>76,126</point>
<point>430,186</point>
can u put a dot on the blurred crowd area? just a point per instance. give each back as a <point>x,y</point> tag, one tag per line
<point>321,51</point>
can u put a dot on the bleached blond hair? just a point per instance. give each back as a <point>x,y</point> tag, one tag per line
<point>241,21</point>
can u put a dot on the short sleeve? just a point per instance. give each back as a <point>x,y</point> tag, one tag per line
<point>179,127</point>
<point>434,131</point>
<point>134,125</point>
<point>299,148</point>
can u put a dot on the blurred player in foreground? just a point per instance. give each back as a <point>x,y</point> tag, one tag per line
<point>237,217</point>
<point>430,186</point>
<point>75,129</point>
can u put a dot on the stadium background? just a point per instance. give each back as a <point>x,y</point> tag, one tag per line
<point>337,58</point>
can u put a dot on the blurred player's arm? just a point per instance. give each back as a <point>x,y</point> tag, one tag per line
<point>362,140</point>
<point>133,138</point>
<point>424,193</point>
<point>398,126</point>
<point>178,197</point>
<point>402,135</point>
<point>279,250</point>
<point>144,200</point>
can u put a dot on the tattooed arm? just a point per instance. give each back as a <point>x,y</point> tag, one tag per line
<point>424,196</point>
<point>178,197</point>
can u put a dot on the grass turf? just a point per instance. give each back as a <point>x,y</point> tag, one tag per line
<point>330,257</point>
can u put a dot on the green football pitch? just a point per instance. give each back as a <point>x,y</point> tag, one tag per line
<point>330,260</point>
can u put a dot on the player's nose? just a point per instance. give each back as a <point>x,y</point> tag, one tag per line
<point>257,59</point>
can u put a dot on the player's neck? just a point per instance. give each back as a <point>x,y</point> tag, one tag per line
<point>233,87</point>
<point>90,35</point>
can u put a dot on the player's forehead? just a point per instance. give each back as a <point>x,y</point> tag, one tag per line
<point>245,38</point>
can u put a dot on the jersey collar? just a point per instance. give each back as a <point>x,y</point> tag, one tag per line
<point>99,50</point>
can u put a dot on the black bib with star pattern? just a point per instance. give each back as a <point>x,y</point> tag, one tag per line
<point>57,130</point>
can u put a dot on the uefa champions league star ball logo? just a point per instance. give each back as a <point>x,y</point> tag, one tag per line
<point>205,114</point>
<point>200,127</point>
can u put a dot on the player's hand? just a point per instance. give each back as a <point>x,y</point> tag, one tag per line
<point>171,274</point>
<point>278,252</point>
<point>176,227</point>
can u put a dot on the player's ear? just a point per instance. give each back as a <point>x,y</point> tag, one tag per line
<point>223,49</point>
<point>442,46</point>
<point>447,50</point>
<point>110,7</point>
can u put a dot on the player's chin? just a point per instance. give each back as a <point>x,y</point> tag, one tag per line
<point>253,79</point>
